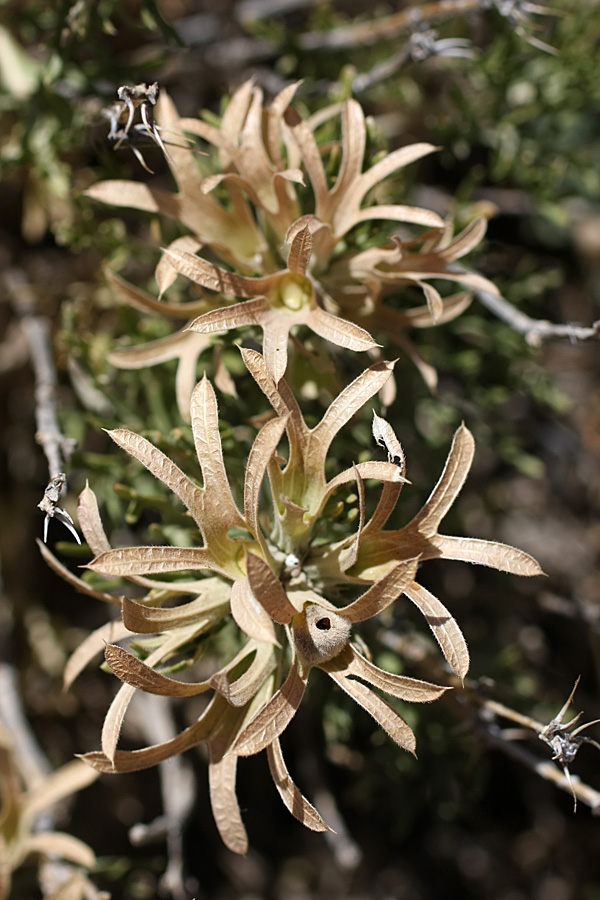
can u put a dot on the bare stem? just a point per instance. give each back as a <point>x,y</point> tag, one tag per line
<point>536,331</point>
<point>36,328</point>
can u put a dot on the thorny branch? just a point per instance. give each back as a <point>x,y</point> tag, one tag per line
<point>517,13</point>
<point>142,98</point>
<point>421,45</point>
<point>57,448</point>
<point>546,770</point>
<point>559,736</point>
<point>563,741</point>
<point>55,445</point>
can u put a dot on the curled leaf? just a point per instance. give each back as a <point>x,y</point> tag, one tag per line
<point>138,674</point>
<point>297,804</point>
<point>444,628</point>
<point>273,719</point>
<point>382,712</point>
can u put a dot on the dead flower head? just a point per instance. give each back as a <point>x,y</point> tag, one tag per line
<point>262,567</point>
<point>20,838</point>
<point>277,230</point>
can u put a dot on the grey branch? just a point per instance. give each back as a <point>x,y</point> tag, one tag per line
<point>57,448</point>
<point>55,445</point>
<point>536,331</point>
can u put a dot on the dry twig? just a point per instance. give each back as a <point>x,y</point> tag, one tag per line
<point>536,331</point>
<point>563,741</point>
<point>57,448</point>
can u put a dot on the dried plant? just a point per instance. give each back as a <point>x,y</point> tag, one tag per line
<point>282,229</point>
<point>20,838</point>
<point>282,587</point>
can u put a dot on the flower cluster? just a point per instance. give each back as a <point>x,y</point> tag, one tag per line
<point>279,586</point>
<point>282,235</point>
<point>271,243</point>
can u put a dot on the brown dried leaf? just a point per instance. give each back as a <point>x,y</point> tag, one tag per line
<point>72,579</point>
<point>244,688</point>
<point>349,401</point>
<point>273,719</point>
<point>214,278</point>
<point>219,501</point>
<point>113,720</point>
<point>488,553</point>
<point>340,331</point>
<point>311,157</point>
<point>137,196</point>
<point>129,561</point>
<point>449,485</point>
<point>263,448</point>
<point>399,158</point>
<point>377,471</point>
<point>420,316</point>
<point>386,505</point>
<point>464,242</point>
<point>247,312</point>
<point>65,846</point>
<point>444,627</point>
<point>162,468</point>
<point>142,619</point>
<point>300,251</point>
<point>410,689</point>
<point>131,670</point>
<point>165,273</point>
<point>249,615</point>
<point>268,590</point>
<point>382,593</point>
<point>354,137</point>
<point>295,802</point>
<point>133,296</point>
<point>93,644</point>
<point>275,115</point>
<point>93,530</point>
<point>279,396</point>
<point>90,521</point>
<point>154,352</point>
<point>136,760</point>
<point>276,330</point>
<point>382,712</point>
<point>435,304</point>
<point>348,555</point>
<point>224,803</point>
<point>411,214</point>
